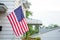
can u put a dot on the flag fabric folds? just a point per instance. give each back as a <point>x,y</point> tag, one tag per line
<point>18,21</point>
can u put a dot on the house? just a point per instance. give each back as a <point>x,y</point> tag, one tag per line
<point>3,9</point>
<point>34,24</point>
<point>52,35</point>
<point>7,32</point>
<point>48,34</point>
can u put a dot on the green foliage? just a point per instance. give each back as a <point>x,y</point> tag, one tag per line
<point>38,38</point>
<point>56,25</point>
<point>31,31</point>
<point>53,26</point>
<point>29,38</point>
<point>28,13</point>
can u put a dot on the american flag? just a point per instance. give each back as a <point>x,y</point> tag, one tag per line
<point>18,21</point>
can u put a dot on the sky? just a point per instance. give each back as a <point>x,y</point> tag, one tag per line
<point>48,11</point>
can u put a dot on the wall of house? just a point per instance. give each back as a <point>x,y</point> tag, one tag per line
<point>7,32</point>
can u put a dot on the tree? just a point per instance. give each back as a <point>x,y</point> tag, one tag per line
<point>56,25</point>
<point>53,25</point>
<point>26,6</point>
<point>28,13</point>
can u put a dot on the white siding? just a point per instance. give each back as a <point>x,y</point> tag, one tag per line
<point>7,32</point>
<point>8,2</point>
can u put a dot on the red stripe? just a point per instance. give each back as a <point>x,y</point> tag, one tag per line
<point>16,23</point>
<point>12,25</point>
<point>26,24</point>
<point>23,25</point>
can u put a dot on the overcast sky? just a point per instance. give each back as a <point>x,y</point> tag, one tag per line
<point>48,11</point>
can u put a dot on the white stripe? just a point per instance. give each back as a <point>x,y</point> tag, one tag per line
<point>22,27</point>
<point>14,22</point>
<point>26,24</point>
<point>13,25</point>
<point>18,24</point>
